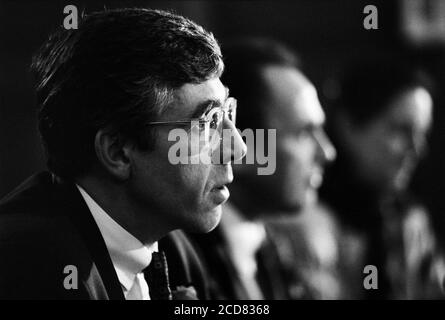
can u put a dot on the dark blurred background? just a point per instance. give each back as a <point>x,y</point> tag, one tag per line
<point>326,33</point>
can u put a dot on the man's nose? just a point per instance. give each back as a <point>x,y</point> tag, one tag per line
<point>232,146</point>
<point>325,149</point>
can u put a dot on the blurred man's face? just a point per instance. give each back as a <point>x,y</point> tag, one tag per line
<point>187,196</point>
<point>387,150</point>
<point>293,109</point>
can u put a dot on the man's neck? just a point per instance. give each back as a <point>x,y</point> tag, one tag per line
<point>115,202</point>
<point>247,203</point>
<point>256,206</point>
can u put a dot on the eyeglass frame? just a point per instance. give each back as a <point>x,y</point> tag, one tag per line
<point>229,100</point>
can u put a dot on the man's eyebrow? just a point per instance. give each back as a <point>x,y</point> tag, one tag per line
<point>227,93</point>
<point>308,127</point>
<point>204,107</point>
<point>208,105</point>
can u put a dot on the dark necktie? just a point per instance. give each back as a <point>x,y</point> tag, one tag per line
<point>156,275</point>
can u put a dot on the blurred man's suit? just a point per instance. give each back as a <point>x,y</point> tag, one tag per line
<point>45,225</point>
<point>273,94</point>
<point>275,277</point>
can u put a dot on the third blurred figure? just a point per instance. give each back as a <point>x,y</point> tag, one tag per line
<point>380,123</point>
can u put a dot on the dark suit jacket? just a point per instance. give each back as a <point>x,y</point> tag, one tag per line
<point>273,276</point>
<point>46,225</point>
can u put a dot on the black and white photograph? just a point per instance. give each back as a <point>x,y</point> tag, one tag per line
<point>228,151</point>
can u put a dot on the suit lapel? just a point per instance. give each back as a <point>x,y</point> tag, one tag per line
<point>225,282</point>
<point>185,269</point>
<point>71,202</point>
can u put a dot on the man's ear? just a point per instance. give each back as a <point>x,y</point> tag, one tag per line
<point>113,154</point>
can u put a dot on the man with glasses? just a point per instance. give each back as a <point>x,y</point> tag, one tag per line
<point>204,133</point>
<point>99,224</point>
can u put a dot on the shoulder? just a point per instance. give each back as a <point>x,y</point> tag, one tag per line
<point>29,214</point>
<point>36,252</point>
<point>37,243</point>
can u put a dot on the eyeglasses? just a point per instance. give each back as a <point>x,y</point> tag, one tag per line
<point>208,128</point>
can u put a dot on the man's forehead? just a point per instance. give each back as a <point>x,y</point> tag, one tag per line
<point>292,97</point>
<point>308,107</point>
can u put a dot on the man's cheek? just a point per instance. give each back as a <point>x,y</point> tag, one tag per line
<point>195,176</point>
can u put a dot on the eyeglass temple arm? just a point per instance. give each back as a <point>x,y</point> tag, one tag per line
<point>173,122</point>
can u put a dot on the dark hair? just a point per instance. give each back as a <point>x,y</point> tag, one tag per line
<point>244,59</point>
<point>367,88</point>
<point>117,71</point>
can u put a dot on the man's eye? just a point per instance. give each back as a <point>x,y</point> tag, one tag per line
<point>230,113</point>
<point>304,133</point>
<point>214,122</point>
<point>202,125</point>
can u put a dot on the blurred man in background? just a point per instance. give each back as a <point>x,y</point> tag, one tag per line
<point>245,258</point>
<point>379,124</point>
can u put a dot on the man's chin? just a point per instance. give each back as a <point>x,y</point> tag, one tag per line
<point>209,220</point>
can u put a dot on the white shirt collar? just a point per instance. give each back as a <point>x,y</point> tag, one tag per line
<point>243,237</point>
<point>128,255</point>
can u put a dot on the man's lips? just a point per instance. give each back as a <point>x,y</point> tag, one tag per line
<point>220,192</point>
<point>222,185</point>
<point>223,180</point>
